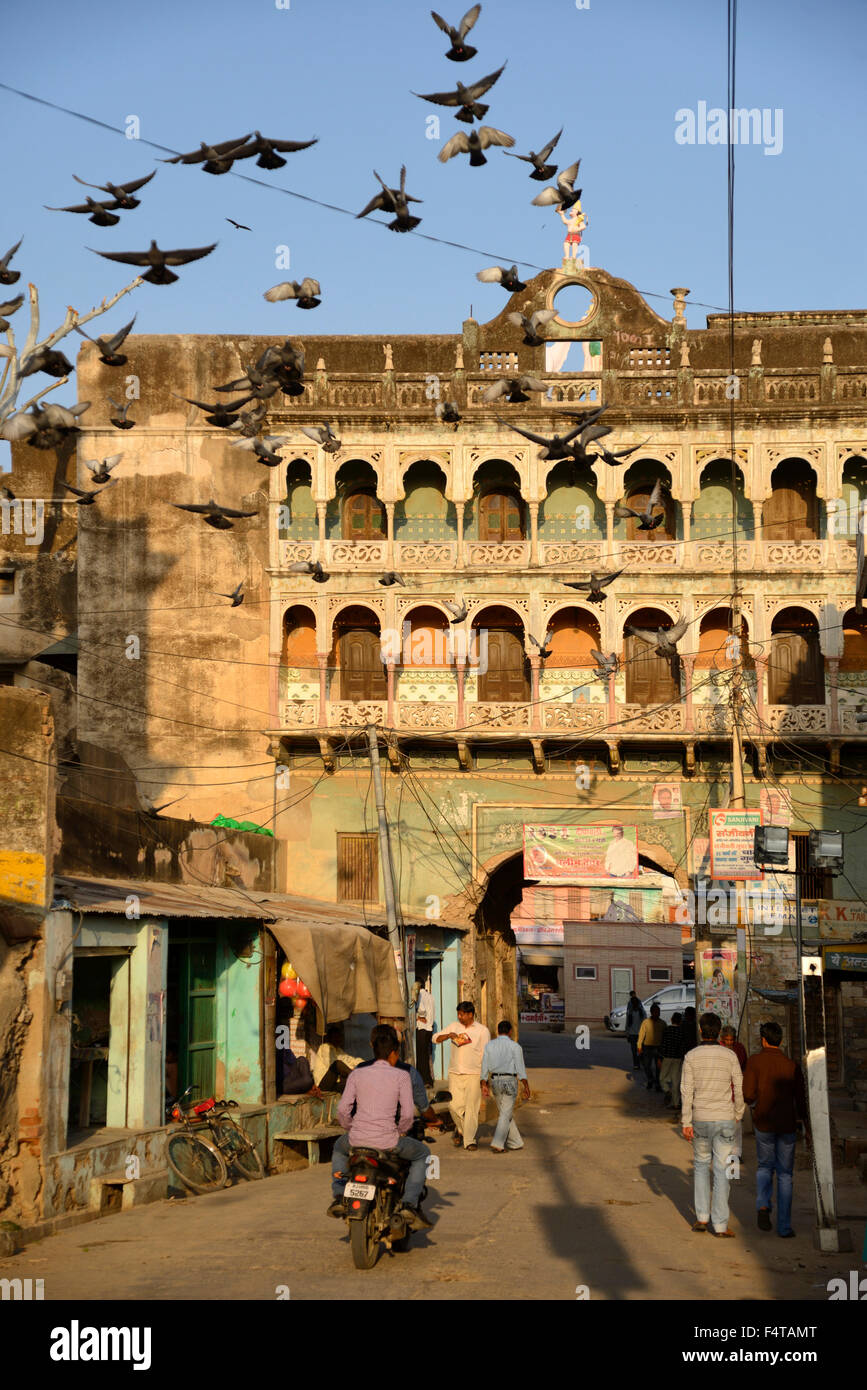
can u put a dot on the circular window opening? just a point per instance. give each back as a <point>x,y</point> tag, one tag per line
<point>573,304</point>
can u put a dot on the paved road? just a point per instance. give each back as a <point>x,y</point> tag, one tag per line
<point>600,1197</point>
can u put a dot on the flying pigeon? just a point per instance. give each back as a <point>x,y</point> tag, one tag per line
<point>248,425</point>
<point>590,431</point>
<point>268,150</point>
<point>100,471</point>
<point>222,413</point>
<point>514,388</point>
<point>605,665</point>
<point>324,436</point>
<point>236,596</point>
<point>7,276</point>
<point>82,496</point>
<point>120,192</point>
<point>10,307</point>
<point>531,325</point>
<point>663,639</point>
<point>595,585</point>
<point>305,293</point>
<point>467,98</point>
<point>214,159</point>
<point>260,380</point>
<point>394,200</point>
<point>564,195</point>
<point>44,427</point>
<point>47,360</point>
<point>264,449</point>
<point>101,214</point>
<point>159,261</point>
<point>448,413</point>
<point>541,170</point>
<point>459,51</point>
<point>389,579</point>
<point>119,419</point>
<point>473,144</point>
<point>557,448</point>
<point>460,610</point>
<point>108,346</point>
<point>646,520</point>
<point>213,514</point>
<point>311,567</point>
<point>544,649</point>
<point>497,275</point>
<point>616,459</point>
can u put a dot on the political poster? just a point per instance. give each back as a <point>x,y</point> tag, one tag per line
<point>572,852</point>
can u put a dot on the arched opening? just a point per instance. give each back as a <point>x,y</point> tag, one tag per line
<point>497,508</point>
<point>424,514</point>
<point>573,635</point>
<point>357,655</point>
<point>854,495</point>
<point>712,509</point>
<point>426,640</point>
<point>638,484</point>
<point>716,651</point>
<point>796,669</point>
<point>791,513</point>
<point>503,668</point>
<point>651,679</point>
<point>357,513</point>
<point>571,510</point>
<point>854,656</point>
<point>298,520</point>
<point>299,639</point>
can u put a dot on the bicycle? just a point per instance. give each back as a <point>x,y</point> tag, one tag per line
<point>202,1162</point>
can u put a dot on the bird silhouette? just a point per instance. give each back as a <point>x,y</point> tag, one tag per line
<point>101,214</point>
<point>394,200</point>
<point>559,447</point>
<point>100,471</point>
<point>497,275</point>
<point>324,436</point>
<point>646,520</point>
<point>214,159</point>
<point>47,360</point>
<point>84,497</point>
<point>213,514</point>
<point>616,459</point>
<point>533,324</point>
<point>448,413</point>
<point>595,585</point>
<point>10,307</point>
<point>120,192</point>
<point>514,388</point>
<point>460,610</point>
<point>459,51</point>
<point>389,579</point>
<point>236,596</point>
<point>541,170</point>
<point>268,150</point>
<point>312,568</point>
<point>264,449</point>
<point>108,345</point>
<point>465,98</point>
<point>564,194</point>
<point>7,276</point>
<point>304,293</point>
<point>473,144</point>
<point>119,419</point>
<point>239,226</point>
<point>544,649</point>
<point>222,413</point>
<point>157,260</point>
<point>664,639</point>
<point>605,665</point>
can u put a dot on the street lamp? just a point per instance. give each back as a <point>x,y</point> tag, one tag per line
<point>771,844</point>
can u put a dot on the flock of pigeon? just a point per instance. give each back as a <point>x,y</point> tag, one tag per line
<point>282,368</point>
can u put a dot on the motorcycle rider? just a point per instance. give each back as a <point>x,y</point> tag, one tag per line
<point>377,1111</point>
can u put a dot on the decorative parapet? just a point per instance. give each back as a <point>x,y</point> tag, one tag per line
<point>426,555</point>
<point>505,716</point>
<point>655,554</point>
<point>796,554</point>
<point>801,719</point>
<point>294,552</point>
<point>427,714</point>
<point>346,714</point>
<point>300,714</point>
<point>666,719</point>
<point>354,554</point>
<point>483,554</point>
<point>575,554</point>
<point>719,555</point>
<point>574,716</point>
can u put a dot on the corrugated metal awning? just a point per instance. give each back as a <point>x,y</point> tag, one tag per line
<point>154,899</point>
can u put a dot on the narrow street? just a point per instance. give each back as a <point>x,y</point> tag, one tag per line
<point>600,1197</point>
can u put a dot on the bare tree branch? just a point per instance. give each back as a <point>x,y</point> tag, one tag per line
<point>52,386</point>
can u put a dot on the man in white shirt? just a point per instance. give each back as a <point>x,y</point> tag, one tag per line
<point>712,1103</point>
<point>469,1040</point>
<point>424,1022</point>
<point>621,856</point>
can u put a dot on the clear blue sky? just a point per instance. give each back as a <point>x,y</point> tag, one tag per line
<point>613,74</point>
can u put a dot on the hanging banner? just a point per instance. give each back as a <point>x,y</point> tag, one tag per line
<point>572,852</point>
<point>731,845</point>
<point>716,986</point>
<point>845,958</point>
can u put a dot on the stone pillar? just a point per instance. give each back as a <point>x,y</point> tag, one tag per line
<point>320,518</point>
<point>758,538</point>
<point>686,518</point>
<point>322,662</point>
<point>389,531</point>
<point>389,676</point>
<point>461,670</point>
<point>688,663</point>
<point>832,664</point>
<point>761,691</point>
<point>612,699</point>
<point>609,529</point>
<point>535,711</point>
<point>459,514</point>
<point>534,532</point>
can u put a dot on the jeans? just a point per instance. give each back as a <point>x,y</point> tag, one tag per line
<point>775,1153</point>
<point>411,1149</point>
<point>650,1062</point>
<point>632,1039</point>
<point>712,1138</point>
<point>505,1093</point>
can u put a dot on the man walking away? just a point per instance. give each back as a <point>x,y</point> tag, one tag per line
<point>468,1039</point>
<point>503,1063</point>
<point>774,1087</point>
<point>635,1016</point>
<point>377,1110</point>
<point>672,1061</point>
<point>424,1023</point>
<point>650,1037</point>
<point>689,1030</point>
<point>712,1102</point>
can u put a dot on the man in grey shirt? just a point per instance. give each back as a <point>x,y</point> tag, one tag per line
<point>503,1063</point>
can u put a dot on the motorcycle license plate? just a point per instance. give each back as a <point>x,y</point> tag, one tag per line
<point>367,1190</point>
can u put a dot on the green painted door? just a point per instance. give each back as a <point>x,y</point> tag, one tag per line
<point>197,990</point>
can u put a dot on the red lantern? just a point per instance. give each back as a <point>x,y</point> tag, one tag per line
<point>302,992</point>
<point>288,988</point>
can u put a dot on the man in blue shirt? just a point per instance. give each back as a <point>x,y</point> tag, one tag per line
<point>502,1069</point>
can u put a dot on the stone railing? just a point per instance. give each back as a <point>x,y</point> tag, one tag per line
<point>665,719</point>
<point>300,714</point>
<point>796,554</point>
<point>483,554</point>
<point>650,554</point>
<point>574,715</point>
<point>352,554</point>
<point>425,555</point>
<point>575,554</point>
<point>500,716</point>
<point>639,388</point>
<point>354,392</point>
<point>851,385</point>
<point>800,719</point>
<point>294,552</point>
<point>719,555</point>
<point>784,387</point>
<point>345,714</point>
<point>427,714</point>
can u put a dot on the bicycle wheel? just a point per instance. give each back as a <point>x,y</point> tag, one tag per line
<point>237,1147</point>
<point>199,1165</point>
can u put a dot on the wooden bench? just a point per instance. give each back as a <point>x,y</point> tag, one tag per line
<point>311,1137</point>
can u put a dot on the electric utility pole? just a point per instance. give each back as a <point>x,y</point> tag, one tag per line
<point>395,935</point>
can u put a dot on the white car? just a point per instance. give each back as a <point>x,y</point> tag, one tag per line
<point>671,999</point>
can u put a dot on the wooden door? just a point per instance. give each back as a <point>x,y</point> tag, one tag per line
<point>651,679</point>
<point>638,501</point>
<point>505,679</point>
<point>363,518</point>
<point>362,674</point>
<point>791,513</point>
<point>796,670</point>
<point>500,517</point>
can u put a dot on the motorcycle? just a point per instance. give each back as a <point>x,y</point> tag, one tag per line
<point>372,1196</point>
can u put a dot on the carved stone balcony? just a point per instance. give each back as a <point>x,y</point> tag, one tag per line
<point>497,554</point>
<point>810,555</point>
<point>348,714</point>
<point>799,719</point>
<point>300,714</point>
<point>426,555</point>
<point>427,714</point>
<point>719,555</point>
<point>650,554</point>
<point>573,554</point>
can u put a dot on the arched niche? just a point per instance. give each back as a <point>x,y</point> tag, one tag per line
<point>638,483</point>
<point>715,649</point>
<point>426,639</point>
<point>298,521</point>
<point>651,679</point>
<point>356,513</point>
<point>793,511</point>
<point>572,635</point>
<point>496,511</point>
<point>356,654</point>
<point>424,513</point>
<point>503,668</point>
<point>854,495</point>
<point>796,667</point>
<point>712,510</point>
<point>571,510</point>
